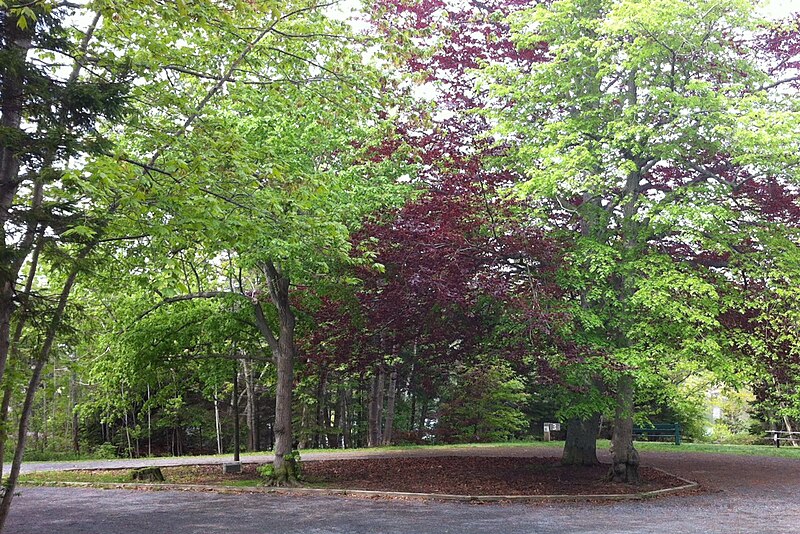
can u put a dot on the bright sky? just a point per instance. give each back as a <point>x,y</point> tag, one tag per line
<point>781,8</point>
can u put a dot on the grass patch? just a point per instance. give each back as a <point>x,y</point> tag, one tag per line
<point>602,445</point>
<point>188,474</point>
<point>41,477</point>
<point>714,448</point>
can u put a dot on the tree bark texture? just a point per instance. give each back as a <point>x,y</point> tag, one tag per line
<point>250,408</point>
<point>235,399</point>
<point>624,457</point>
<point>580,447</point>
<point>284,352</point>
<point>390,408</point>
<point>376,408</point>
<point>7,390</point>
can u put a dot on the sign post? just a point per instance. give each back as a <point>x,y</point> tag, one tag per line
<point>550,427</point>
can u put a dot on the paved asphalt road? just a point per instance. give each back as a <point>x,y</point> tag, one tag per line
<point>747,495</point>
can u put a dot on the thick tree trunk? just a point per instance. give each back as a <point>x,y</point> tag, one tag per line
<point>284,352</point>
<point>390,408</point>
<point>18,43</point>
<point>580,447</point>
<point>284,472</point>
<point>624,457</point>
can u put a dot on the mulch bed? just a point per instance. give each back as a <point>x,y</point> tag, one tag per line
<point>457,475</point>
<point>452,475</point>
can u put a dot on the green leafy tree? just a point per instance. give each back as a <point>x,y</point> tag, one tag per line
<point>636,135</point>
<point>483,402</point>
<point>257,175</point>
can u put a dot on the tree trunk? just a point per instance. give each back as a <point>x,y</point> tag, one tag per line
<point>7,390</point>
<point>284,472</point>
<point>235,399</point>
<point>339,417</point>
<point>217,425</point>
<point>624,458</point>
<point>18,42</point>
<point>284,352</point>
<point>319,411</point>
<point>73,404</point>
<point>250,408</point>
<point>150,425</point>
<point>423,416</point>
<point>580,447</point>
<point>789,428</point>
<point>390,408</point>
<point>6,310</point>
<point>33,384</point>
<point>376,408</point>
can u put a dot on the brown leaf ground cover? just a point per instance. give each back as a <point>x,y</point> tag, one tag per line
<point>459,475</point>
<point>453,475</point>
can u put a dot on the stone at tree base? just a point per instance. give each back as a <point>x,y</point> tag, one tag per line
<point>232,468</point>
<point>147,474</point>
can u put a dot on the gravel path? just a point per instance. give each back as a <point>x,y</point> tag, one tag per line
<point>747,495</point>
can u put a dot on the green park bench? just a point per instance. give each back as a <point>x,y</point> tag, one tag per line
<point>659,430</point>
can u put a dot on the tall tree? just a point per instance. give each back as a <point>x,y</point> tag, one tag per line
<point>637,133</point>
<point>266,171</point>
<point>52,110</point>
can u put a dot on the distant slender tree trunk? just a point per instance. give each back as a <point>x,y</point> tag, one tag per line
<point>73,403</point>
<point>372,417</point>
<point>235,398</point>
<point>410,388</point>
<point>7,390</point>
<point>624,457</point>
<point>332,415</point>
<point>304,432</point>
<point>125,423</point>
<point>376,408</point>
<point>580,447</point>
<point>250,408</point>
<point>149,425</point>
<point>411,417</point>
<point>217,425</point>
<point>340,415</point>
<point>789,428</point>
<point>319,412</point>
<point>390,408</point>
